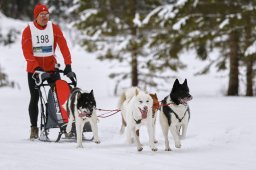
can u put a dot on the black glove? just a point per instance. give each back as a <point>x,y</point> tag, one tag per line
<point>72,77</point>
<point>67,69</point>
<point>38,69</point>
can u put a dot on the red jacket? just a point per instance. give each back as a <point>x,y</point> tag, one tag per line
<point>46,63</point>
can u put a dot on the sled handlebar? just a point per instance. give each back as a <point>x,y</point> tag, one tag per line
<point>41,76</point>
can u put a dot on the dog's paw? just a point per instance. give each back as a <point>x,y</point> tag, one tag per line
<point>182,137</point>
<point>140,149</point>
<point>178,145</point>
<point>79,146</point>
<point>154,149</point>
<point>122,130</point>
<point>130,141</point>
<point>68,129</point>
<point>168,149</point>
<point>97,141</point>
<point>68,135</point>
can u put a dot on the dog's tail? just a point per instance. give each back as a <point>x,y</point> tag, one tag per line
<point>123,126</point>
<point>121,100</point>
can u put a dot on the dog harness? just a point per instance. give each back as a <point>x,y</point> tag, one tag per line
<point>176,115</point>
<point>137,121</point>
<point>168,112</point>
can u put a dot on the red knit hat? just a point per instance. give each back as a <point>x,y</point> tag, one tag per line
<point>40,8</point>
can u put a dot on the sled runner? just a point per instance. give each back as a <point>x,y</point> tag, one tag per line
<point>53,115</point>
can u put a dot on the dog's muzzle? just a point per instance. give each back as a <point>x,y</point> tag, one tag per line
<point>84,114</point>
<point>144,112</point>
<point>185,100</point>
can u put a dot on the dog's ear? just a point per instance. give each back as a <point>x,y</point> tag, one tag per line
<point>185,83</point>
<point>91,93</point>
<point>176,83</point>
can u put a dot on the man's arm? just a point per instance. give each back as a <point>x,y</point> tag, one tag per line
<point>62,43</point>
<point>27,49</point>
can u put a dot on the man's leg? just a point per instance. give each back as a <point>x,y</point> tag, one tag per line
<point>33,106</point>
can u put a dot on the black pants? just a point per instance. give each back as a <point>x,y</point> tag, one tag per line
<point>34,97</point>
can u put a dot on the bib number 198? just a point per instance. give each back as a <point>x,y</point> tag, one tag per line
<point>42,39</point>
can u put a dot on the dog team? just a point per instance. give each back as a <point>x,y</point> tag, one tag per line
<point>137,108</point>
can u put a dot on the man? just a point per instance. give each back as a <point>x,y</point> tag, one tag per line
<point>39,41</point>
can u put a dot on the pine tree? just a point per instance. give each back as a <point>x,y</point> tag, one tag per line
<point>248,18</point>
<point>213,24</point>
<point>116,29</point>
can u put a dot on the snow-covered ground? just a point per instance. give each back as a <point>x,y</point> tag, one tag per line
<point>221,133</point>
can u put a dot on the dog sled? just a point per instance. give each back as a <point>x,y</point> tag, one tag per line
<point>54,91</point>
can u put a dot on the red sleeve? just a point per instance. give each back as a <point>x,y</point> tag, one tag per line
<point>27,49</point>
<point>62,43</point>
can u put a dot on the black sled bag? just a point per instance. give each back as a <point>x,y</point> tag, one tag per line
<point>58,94</point>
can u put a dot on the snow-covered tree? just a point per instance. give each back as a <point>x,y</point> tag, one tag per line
<point>118,30</point>
<point>205,25</point>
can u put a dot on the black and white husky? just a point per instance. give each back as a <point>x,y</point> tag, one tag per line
<point>175,113</point>
<point>81,109</point>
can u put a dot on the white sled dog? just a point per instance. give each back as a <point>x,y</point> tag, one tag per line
<point>175,113</point>
<point>136,107</point>
<point>81,109</point>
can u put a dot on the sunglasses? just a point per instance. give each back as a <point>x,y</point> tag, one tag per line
<point>44,15</point>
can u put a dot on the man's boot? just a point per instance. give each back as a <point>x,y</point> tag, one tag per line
<point>34,133</point>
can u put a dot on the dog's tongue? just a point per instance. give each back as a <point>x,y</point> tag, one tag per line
<point>84,114</point>
<point>143,113</point>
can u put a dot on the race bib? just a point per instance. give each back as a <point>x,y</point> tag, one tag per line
<point>42,40</point>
